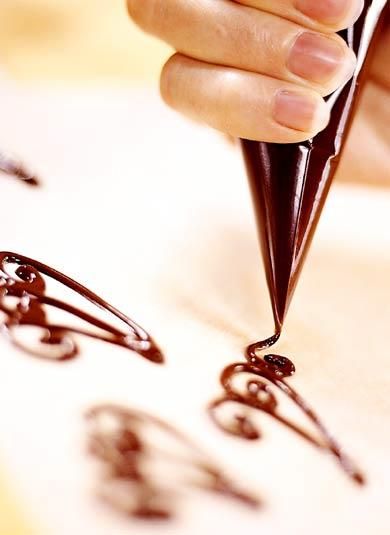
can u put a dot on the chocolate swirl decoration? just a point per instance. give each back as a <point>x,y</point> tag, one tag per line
<point>24,304</point>
<point>147,461</point>
<point>270,371</point>
<point>16,169</point>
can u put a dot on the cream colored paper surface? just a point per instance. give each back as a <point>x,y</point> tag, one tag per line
<point>132,190</point>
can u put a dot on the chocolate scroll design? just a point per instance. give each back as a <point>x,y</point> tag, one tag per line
<point>24,305</point>
<point>266,377</point>
<point>147,462</point>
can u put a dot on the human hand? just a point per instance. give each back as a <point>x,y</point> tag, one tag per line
<point>256,69</point>
<point>367,154</point>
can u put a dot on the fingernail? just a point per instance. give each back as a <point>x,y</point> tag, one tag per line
<point>329,11</point>
<point>317,58</point>
<point>300,112</point>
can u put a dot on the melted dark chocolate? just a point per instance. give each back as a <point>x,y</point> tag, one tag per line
<point>259,394</point>
<point>125,442</point>
<point>25,284</point>
<point>122,448</point>
<point>15,169</point>
<point>290,182</point>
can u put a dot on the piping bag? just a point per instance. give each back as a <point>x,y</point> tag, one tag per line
<point>290,182</point>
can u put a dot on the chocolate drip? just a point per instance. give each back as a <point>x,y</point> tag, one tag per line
<point>15,169</point>
<point>259,394</point>
<point>290,183</point>
<point>22,279</point>
<point>125,442</point>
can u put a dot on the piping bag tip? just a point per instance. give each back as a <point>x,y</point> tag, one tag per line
<point>290,182</point>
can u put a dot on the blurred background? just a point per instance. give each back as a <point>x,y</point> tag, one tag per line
<point>72,40</point>
<point>65,41</point>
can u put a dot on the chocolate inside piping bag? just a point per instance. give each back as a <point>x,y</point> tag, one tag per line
<point>290,182</point>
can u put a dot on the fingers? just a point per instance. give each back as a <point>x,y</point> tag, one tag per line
<point>226,33</point>
<point>321,15</point>
<point>252,68</point>
<point>241,103</point>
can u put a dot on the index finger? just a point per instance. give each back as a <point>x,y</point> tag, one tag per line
<point>322,15</point>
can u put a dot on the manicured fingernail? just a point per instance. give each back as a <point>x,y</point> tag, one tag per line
<point>329,11</point>
<point>318,58</point>
<point>299,111</point>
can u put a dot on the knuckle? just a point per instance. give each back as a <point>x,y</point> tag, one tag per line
<point>257,42</point>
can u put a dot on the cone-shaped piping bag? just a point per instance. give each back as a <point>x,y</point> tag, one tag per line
<point>290,182</point>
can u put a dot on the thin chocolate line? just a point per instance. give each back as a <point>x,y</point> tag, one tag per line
<point>27,284</point>
<point>259,395</point>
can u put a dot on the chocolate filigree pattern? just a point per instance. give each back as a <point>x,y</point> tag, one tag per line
<point>24,305</point>
<point>147,462</point>
<point>267,376</point>
<point>16,169</point>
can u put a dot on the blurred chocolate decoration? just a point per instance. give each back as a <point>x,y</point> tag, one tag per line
<point>24,307</point>
<point>15,169</point>
<point>148,464</point>
<point>265,377</point>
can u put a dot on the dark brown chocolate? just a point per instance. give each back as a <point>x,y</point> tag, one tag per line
<point>259,394</point>
<point>123,449</point>
<point>120,443</point>
<point>16,169</point>
<point>124,441</point>
<point>22,279</point>
<point>290,183</point>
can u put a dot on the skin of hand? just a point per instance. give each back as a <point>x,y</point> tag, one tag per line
<point>259,69</point>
